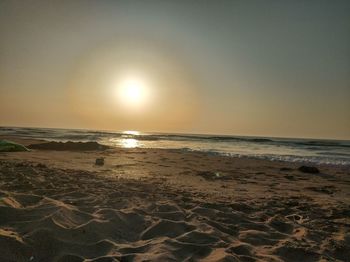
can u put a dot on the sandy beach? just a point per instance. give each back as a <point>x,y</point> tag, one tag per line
<point>174,131</point>
<point>169,205</point>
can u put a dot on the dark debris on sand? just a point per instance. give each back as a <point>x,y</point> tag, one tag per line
<point>309,169</point>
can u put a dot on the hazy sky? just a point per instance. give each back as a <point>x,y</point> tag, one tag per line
<point>270,68</point>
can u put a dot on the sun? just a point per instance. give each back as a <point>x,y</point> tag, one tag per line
<point>133,92</point>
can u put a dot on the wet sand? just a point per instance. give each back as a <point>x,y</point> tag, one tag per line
<point>169,205</point>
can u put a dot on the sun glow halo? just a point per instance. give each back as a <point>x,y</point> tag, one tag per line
<point>133,92</point>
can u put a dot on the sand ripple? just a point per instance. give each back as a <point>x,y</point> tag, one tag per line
<point>51,214</point>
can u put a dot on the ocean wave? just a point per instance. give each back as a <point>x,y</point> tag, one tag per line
<point>65,134</point>
<point>304,150</point>
<point>322,144</point>
<point>284,158</point>
<point>200,138</point>
<point>294,158</point>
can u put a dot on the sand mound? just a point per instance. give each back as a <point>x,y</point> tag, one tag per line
<point>69,146</point>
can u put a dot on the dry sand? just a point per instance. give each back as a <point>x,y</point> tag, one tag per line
<point>168,205</point>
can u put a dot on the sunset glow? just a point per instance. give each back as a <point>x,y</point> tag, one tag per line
<point>132,92</point>
<point>174,130</point>
<point>163,67</point>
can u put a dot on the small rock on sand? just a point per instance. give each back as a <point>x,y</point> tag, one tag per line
<point>100,161</point>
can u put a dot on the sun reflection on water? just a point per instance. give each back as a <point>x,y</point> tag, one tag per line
<point>129,143</point>
<point>131,132</point>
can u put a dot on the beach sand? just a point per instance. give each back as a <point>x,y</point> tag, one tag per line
<point>169,205</point>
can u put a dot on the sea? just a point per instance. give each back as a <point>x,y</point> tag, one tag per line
<point>317,151</point>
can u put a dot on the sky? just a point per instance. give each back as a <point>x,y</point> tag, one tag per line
<point>255,68</point>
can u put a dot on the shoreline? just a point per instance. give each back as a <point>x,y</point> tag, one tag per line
<point>27,141</point>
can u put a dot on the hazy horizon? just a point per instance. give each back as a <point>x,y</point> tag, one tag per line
<point>273,69</point>
<point>140,132</point>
